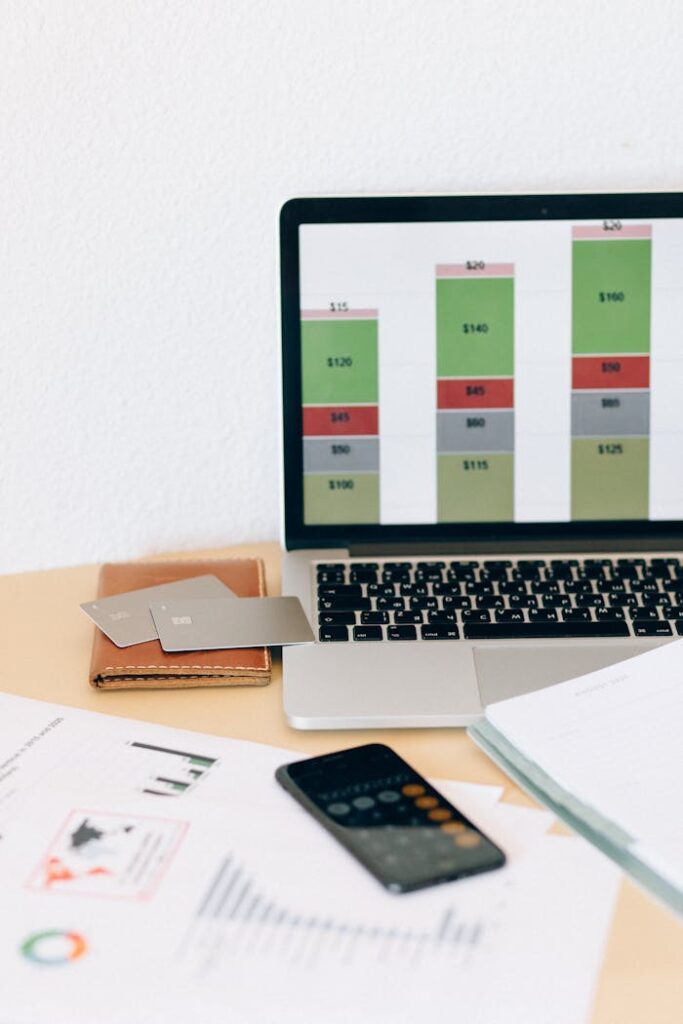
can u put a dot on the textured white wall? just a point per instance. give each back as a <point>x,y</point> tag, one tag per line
<point>145,150</point>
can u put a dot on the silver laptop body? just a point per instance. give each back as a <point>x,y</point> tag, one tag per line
<point>483,454</point>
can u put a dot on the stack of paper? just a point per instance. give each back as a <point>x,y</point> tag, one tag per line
<point>152,874</point>
<point>604,752</point>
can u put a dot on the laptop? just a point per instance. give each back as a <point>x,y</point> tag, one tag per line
<point>483,447</point>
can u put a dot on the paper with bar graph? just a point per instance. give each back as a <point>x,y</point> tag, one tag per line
<point>152,873</point>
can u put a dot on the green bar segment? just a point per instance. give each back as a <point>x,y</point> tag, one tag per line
<point>475,327</point>
<point>610,478</point>
<point>339,361</point>
<point>352,498</point>
<point>475,488</point>
<point>611,296</point>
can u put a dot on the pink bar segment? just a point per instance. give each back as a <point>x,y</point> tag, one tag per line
<point>339,314</point>
<point>597,232</point>
<point>487,270</point>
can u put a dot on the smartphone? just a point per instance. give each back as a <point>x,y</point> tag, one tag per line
<point>392,820</point>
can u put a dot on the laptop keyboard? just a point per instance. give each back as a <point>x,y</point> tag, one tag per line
<point>499,600</point>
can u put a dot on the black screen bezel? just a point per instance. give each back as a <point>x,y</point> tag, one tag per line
<point>296,212</point>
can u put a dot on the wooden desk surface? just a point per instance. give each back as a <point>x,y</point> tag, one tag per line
<point>45,643</point>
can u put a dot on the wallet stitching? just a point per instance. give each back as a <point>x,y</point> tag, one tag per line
<point>183,668</point>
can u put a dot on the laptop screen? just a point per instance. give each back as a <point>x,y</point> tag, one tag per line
<point>491,371</point>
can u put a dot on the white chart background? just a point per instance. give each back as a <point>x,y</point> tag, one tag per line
<point>391,267</point>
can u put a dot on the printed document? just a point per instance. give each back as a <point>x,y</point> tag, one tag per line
<point>153,874</point>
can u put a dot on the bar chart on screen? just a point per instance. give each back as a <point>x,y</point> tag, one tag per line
<point>611,304</point>
<point>492,372</point>
<point>475,391</point>
<point>339,352</point>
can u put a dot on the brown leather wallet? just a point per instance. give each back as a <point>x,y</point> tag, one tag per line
<point>146,666</point>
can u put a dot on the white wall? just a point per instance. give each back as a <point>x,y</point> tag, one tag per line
<point>145,148</point>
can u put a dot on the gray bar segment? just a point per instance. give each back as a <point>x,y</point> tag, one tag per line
<point>477,430</point>
<point>341,454</point>
<point>611,414</point>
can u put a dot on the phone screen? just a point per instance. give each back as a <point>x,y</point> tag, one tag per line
<point>393,821</point>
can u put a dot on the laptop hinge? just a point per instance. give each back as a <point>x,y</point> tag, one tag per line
<point>668,543</point>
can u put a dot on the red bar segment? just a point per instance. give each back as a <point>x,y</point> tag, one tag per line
<point>484,393</point>
<point>322,420</point>
<point>600,372</point>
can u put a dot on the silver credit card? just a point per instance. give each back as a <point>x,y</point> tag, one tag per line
<point>126,619</point>
<point>200,625</point>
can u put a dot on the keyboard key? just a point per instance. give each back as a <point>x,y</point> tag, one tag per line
<point>423,603</point>
<point>444,632</point>
<point>336,618</point>
<point>655,599</point>
<point>523,601</point>
<point>330,567</point>
<point>679,627</point>
<point>556,601</point>
<point>545,587</point>
<point>510,615</point>
<point>397,565</point>
<point>405,618</point>
<point>385,604</point>
<point>449,588</point>
<point>590,601</point>
<point>608,614</point>
<point>651,628</point>
<point>362,576</point>
<point>576,614</point>
<point>456,602</point>
<point>490,601</point>
<point>396,576</point>
<point>333,634</point>
<point>477,589</point>
<point>364,566</point>
<point>542,630</point>
<point>674,611</point>
<point>512,587</point>
<point>367,632</point>
<point>542,615</point>
<point>422,575</point>
<point>444,618</point>
<point>476,615</point>
<point>578,587</point>
<point>345,604</point>
<point>458,574</point>
<point>401,633</point>
<point>374,618</point>
<point>413,590</point>
<point>340,590</point>
<point>642,614</point>
<point>642,586</point>
<point>431,565</point>
<point>331,577</point>
<point>381,590</point>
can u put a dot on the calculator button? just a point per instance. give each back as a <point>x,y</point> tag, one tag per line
<point>363,803</point>
<point>413,789</point>
<point>453,828</point>
<point>425,802</point>
<point>439,814</point>
<point>388,796</point>
<point>338,809</point>
<point>467,840</point>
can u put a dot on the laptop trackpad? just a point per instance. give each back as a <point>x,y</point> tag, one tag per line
<point>504,672</point>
